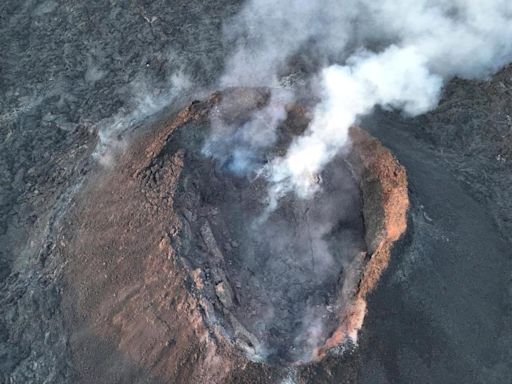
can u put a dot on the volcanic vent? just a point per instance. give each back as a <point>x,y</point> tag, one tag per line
<point>284,285</point>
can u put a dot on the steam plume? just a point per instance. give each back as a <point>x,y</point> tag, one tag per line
<point>351,55</point>
<point>239,148</point>
<point>145,103</point>
<point>396,54</point>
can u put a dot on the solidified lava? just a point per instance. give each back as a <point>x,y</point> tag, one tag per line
<point>171,275</point>
<point>290,287</point>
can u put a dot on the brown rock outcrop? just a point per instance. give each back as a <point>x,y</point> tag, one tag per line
<point>133,300</point>
<point>383,183</point>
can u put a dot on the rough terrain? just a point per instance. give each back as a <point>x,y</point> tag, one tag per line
<point>440,314</point>
<point>142,301</point>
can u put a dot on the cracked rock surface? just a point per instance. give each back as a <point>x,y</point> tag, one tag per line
<point>169,273</point>
<point>72,69</point>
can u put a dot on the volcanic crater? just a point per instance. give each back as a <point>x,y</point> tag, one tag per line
<point>288,285</point>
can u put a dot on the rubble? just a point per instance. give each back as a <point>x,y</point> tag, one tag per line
<point>72,70</point>
<point>278,290</point>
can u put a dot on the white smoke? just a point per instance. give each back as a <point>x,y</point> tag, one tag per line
<point>395,54</point>
<point>146,102</point>
<point>267,33</point>
<point>395,78</point>
<point>291,377</point>
<point>355,55</point>
<point>239,148</point>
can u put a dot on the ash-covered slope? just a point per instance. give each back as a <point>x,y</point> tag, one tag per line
<point>68,70</point>
<point>169,226</point>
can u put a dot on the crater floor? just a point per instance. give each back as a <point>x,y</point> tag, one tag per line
<point>276,279</point>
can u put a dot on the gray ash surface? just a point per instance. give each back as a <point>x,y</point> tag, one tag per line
<point>442,312</point>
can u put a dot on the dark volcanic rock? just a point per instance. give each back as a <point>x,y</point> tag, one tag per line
<point>168,225</point>
<point>67,71</point>
<point>441,312</point>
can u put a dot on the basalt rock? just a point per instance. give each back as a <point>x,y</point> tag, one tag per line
<point>248,292</point>
<point>196,275</point>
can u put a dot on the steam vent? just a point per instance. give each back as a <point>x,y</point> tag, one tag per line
<point>287,288</point>
<point>283,287</point>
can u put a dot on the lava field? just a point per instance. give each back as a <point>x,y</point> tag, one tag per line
<point>144,237</point>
